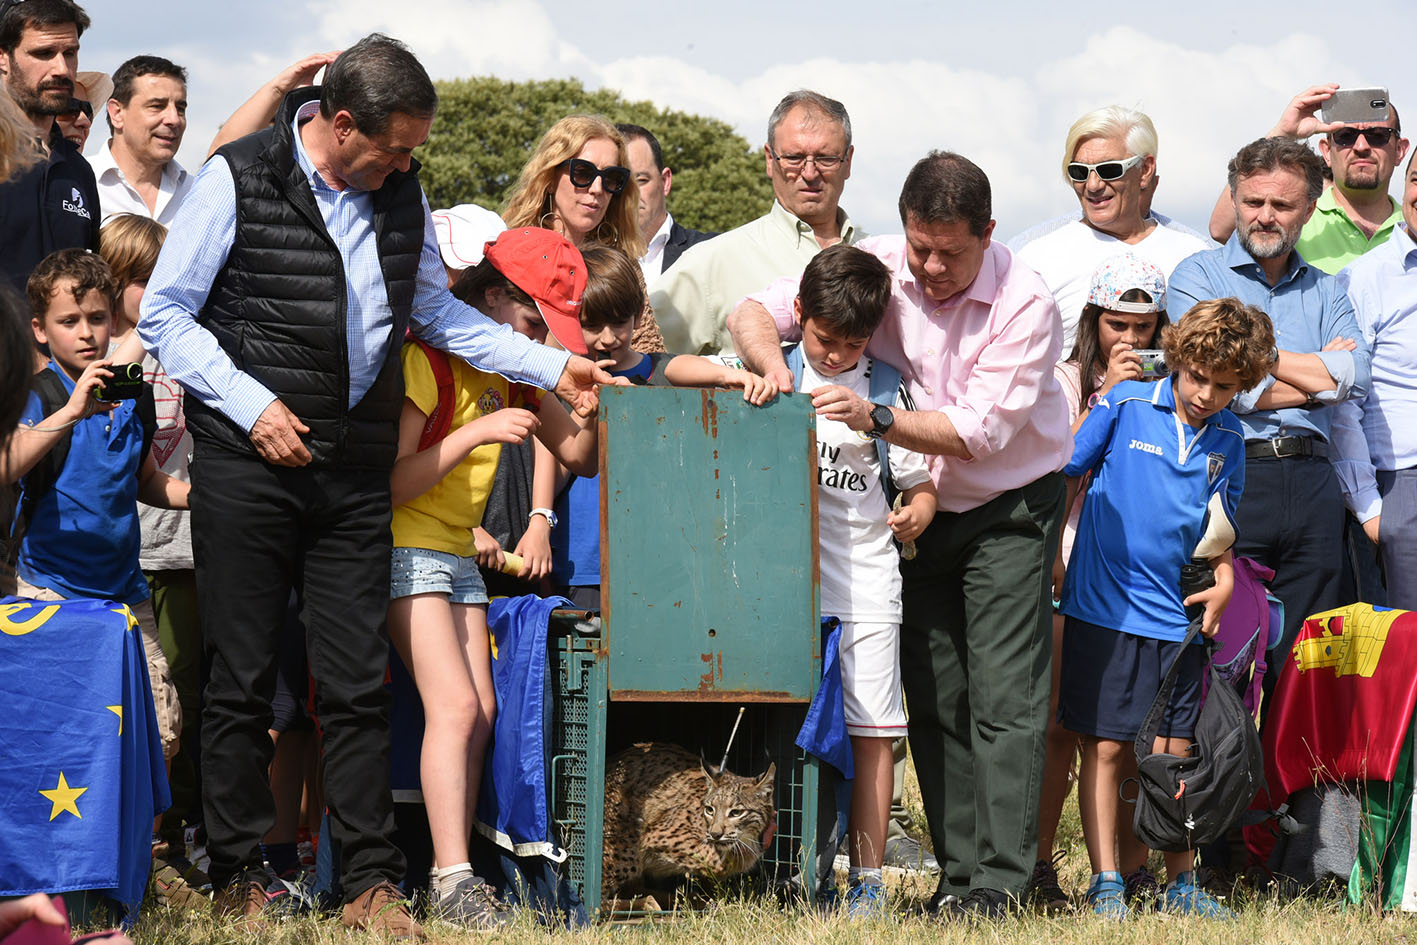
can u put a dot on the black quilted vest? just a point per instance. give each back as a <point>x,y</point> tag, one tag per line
<point>278,305</point>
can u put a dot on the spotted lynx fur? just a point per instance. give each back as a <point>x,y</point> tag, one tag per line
<point>669,814</point>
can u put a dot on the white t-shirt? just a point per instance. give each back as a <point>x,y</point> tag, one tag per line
<point>1067,257</point>
<point>860,565</point>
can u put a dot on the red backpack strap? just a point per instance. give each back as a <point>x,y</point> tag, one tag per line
<point>440,420</point>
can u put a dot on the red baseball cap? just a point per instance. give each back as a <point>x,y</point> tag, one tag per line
<point>544,265</point>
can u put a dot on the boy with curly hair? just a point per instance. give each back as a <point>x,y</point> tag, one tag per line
<point>1167,464</point>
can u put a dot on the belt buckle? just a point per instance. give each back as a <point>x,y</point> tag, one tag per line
<point>1274,446</point>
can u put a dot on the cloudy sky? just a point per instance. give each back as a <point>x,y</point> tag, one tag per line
<point>999,82</point>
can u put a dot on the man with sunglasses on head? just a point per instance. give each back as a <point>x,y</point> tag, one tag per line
<point>280,302</point>
<point>137,168</point>
<point>1356,213</point>
<point>1291,518</point>
<point>808,159</point>
<point>54,205</point>
<point>1109,159</point>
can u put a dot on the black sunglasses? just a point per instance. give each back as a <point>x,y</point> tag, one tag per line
<point>1377,137</point>
<point>76,106</point>
<point>583,173</point>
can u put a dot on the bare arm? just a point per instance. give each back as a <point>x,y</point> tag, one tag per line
<point>570,437</point>
<point>535,547</point>
<point>158,489</point>
<point>689,370</point>
<point>1222,218</point>
<point>757,342</point>
<point>29,445</point>
<point>259,110</point>
<point>416,471</point>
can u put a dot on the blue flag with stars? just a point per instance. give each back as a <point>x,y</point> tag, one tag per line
<point>81,767</point>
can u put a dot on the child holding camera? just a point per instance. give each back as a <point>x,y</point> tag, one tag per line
<point>82,461</point>
<point>1161,457</point>
<point>1125,313</point>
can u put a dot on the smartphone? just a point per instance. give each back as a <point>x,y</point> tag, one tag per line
<point>126,383</point>
<point>1356,106</point>
<point>1153,363</point>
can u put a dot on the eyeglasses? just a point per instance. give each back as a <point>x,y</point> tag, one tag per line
<point>794,163</point>
<point>7,5</point>
<point>1107,170</point>
<point>1377,137</point>
<point>583,173</point>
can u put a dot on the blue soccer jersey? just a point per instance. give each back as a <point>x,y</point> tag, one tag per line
<point>1152,478</point>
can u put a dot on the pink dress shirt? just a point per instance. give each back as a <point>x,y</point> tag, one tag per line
<point>983,358</point>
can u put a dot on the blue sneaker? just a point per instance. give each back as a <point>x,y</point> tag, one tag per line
<point>866,902</point>
<point>1184,897</point>
<point>1105,894</point>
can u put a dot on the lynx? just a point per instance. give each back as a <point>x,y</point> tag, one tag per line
<point>669,814</point>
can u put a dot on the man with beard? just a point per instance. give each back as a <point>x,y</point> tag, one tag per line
<point>53,205</point>
<point>1356,213</point>
<point>1291,518</point>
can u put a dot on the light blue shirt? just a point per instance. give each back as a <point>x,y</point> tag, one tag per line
<point>1309,309</point>
<point>1153,476</point>
<point>1379,431</point>
<point>196,250</point>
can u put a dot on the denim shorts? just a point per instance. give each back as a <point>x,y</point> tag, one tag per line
<point>424,571</point>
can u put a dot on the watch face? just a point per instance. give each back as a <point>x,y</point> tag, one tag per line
<point>882,418</point>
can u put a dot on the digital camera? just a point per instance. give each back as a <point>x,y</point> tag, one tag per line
<point>1153,363</point>
<point>126,383</point>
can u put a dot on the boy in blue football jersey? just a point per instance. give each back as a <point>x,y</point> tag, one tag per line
<point>1161,456</point>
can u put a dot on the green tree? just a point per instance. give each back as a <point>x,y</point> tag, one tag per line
<point>486,129</point>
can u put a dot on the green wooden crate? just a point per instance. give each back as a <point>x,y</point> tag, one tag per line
<point>709,545</point>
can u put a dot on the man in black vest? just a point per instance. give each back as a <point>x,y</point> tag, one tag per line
<point>280,302</point>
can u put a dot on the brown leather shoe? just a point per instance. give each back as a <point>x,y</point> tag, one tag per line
<point>243,900</point>
<point>384,910</point>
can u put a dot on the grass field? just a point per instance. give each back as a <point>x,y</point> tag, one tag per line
<point>1262,921</point>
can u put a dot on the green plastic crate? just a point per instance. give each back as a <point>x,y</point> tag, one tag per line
<point>589,728</point>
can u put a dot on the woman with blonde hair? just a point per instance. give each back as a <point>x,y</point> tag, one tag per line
<point>578,183</point>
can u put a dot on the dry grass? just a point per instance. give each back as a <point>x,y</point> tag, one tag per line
<point>1265,921</point>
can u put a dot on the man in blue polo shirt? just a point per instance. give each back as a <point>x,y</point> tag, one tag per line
<point>1292,515</point>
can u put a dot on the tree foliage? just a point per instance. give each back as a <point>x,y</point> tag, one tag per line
<point>486,128</point>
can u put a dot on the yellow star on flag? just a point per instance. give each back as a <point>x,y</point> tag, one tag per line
<point>63,798</point>
<point>132,620</point>
<point>118,711</point>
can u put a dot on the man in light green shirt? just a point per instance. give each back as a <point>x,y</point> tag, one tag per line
<point>808,159</point>
<point>1332,240</point>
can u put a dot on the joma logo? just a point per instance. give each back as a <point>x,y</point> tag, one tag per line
<point>1144,447</point>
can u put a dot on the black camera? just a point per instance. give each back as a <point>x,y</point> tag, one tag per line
<point>1196,576</point>
<point>126,383</point>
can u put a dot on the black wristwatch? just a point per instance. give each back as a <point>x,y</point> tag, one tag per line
<point>881,421</point>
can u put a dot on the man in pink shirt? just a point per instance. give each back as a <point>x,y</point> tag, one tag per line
<point>975,336</point>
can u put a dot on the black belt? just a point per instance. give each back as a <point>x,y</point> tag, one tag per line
<point>1282,447</point>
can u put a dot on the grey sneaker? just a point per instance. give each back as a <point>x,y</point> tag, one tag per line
<point>906,853</point>
<point>473,905</point>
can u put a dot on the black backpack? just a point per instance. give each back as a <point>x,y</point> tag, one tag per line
<point>1186,802</point>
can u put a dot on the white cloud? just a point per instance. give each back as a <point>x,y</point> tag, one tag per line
<point>1010,116</point>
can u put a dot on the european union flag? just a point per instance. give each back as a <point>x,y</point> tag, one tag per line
<point>81,768</point>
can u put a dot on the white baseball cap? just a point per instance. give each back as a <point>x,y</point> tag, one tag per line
<point>463,231</point>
